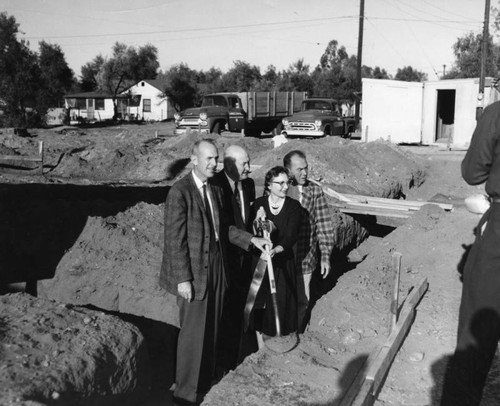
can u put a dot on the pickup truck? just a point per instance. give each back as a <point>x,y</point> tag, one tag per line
<point>318,117</point>
<point>251,113</point>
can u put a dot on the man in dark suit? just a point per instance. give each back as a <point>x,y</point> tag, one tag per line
<point>193,268</point>
<point>239,195</point>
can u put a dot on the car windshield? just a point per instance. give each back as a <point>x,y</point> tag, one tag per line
<point>320,105</point>
<point>214,101</point>
<point>316,105</point>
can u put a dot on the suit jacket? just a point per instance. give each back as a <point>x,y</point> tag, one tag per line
<point>187,236</point>
<point>234,212</point>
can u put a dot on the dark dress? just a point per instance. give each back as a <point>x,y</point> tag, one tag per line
<point>287,223</point>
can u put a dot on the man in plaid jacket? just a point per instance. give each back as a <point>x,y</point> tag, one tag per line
<point>316,234</point>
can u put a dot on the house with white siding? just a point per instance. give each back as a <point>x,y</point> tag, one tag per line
<point>92,106</point>
<point>148,102</point>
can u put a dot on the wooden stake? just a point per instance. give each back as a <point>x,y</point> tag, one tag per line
<point>40,152</point>
<point>396,267</point>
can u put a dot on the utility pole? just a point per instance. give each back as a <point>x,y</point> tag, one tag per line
<point>360,52</point>
<point>484,53</point>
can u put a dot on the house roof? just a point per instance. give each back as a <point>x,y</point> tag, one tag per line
<point>158,83</point>
<point>93,95</point>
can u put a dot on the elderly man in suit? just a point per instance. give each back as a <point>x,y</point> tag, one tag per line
<point>193,268</point>
<point>239,195</point>
<point>316,234</point>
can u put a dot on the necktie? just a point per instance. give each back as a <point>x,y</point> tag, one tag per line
<point>237,197</point>
<point>237,194</point>
<point>208,208</point>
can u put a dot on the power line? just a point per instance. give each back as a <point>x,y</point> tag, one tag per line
<point>446,11</point>
<point>420,20</point>
<point>198,29</point>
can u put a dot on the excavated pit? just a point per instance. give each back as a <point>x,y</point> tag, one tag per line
<point>51,230</point>
<point>100,246</point>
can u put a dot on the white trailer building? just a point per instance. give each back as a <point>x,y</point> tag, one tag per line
<point>434,112</point>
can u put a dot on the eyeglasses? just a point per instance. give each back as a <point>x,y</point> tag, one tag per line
<point>282,183</point>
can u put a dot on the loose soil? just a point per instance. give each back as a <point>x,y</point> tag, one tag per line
<point>350,321</point>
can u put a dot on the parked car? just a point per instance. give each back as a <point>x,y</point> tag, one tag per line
<point>318,117</point>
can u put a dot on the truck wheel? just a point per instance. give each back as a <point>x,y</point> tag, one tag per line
<point>277,130</point>
<point>216,128</point>
<point>328,131</point>
<point>348,133</point>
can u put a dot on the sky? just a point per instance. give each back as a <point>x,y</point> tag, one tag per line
<point>215,33</point>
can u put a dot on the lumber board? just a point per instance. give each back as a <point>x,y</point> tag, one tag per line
<point>379,367</point>
<point>350,201</point>
<point>358,381</point>
<point>367,400</point>
<point>374,211</point>
<point>389,206</point>
<point>19,158</point>
<point>18,162</point>
<point>400,202</point>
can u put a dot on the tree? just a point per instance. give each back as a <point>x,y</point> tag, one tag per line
<point>299,78</point>
<point>89,72</point>
<point>19,77</point>
<point>126,66</point>
<point>56,75</point>
<point>374,73</point>
<point>210,81</point>
<point>181,88</point>
<point>408,74</point>
<point>467,52</point>
<point>334,57</point>
<point>242,77</point>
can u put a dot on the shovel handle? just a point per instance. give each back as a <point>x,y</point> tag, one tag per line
<point>272,284</point>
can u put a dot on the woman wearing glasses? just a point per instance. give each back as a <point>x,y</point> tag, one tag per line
<point>285,214</point>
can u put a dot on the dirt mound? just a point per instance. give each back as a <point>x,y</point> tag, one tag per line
<point>376,169</point>
<point>59,353</point>
<point>114,265</point>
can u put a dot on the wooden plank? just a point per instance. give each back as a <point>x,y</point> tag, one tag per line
<point>387,206</point>
<point>378,369</point>
<point>401,202</point>
<point>398,204</point>
<point>371,211</point>
<point>19,158</point>
<point>357,382</point>
<point>19,161</point>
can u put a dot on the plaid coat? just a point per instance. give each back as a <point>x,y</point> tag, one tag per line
<point>316,234</point>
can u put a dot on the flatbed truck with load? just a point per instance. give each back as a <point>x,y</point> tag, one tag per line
<point>252,113</point>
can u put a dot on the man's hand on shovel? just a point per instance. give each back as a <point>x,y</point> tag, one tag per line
<point>261,243</point>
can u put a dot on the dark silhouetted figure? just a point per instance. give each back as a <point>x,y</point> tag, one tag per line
<point>478,325</point>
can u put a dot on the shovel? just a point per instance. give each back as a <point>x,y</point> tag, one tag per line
<point>278,343</point>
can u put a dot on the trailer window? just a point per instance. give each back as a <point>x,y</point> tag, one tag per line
<point>214,101</point>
